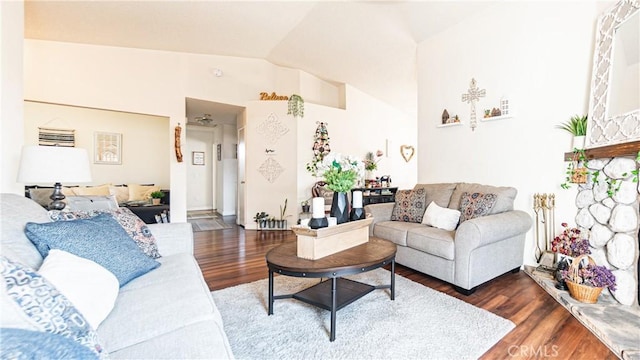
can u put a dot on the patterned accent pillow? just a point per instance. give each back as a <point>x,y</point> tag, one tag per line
<point>475,205</point>
<point>130,222</point>
<point>100,239</point>
<point>410,205</point>
<point>45,307</point>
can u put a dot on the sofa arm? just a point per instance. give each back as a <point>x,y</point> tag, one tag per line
<point>173,238</point>
<point>379,212</point>
<point>488,229</point>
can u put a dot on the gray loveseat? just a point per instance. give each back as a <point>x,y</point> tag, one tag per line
<point>166,313</point>
<point>477,251</point>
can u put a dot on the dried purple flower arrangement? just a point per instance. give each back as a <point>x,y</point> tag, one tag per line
<point>570,243</point>
<point>592,275</point>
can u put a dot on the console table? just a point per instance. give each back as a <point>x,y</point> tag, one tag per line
<point>147,213</point>
<point>376,195</point>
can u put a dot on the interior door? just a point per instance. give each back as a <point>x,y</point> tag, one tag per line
<point>240,220</point>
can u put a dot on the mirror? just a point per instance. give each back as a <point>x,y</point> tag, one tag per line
<point>614,105</point>
<point>625,77</point>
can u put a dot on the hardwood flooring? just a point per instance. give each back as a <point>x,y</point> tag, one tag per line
<point>544,329</point>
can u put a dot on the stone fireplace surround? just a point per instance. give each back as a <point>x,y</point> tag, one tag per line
<point>613,224</point>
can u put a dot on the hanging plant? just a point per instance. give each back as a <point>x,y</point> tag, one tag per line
<point>577,172</point>
<point>296,106</point>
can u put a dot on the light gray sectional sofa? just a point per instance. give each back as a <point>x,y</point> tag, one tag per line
<point>167,313</point>
<point>476,251</point>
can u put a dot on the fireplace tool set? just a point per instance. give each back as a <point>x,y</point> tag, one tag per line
<point>544,207</point>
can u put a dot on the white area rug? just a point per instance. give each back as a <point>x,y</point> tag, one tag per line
<point>420,324</point>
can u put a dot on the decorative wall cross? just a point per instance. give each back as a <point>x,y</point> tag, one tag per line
<point>471,97</point>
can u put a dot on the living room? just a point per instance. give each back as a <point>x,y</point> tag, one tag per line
<point>536,54</point>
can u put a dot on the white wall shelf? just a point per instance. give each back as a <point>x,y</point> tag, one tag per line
<point>493,118</point>
<point>450,124</point>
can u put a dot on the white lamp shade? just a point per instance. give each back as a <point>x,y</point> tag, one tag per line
<point>52,164</point>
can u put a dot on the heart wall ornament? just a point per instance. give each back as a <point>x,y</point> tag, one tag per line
<point>407,152</point>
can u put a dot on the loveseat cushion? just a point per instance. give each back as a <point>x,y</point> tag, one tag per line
<point>438,193</point>
<point>433,241</point>
<point>162,305</point>
<point>504,200</point>
<point>409,206</point>
<point>395,231</point>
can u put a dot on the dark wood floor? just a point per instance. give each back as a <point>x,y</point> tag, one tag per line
<point>544,329</point>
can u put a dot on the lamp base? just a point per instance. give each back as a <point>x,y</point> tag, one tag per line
<point>57,196</point>
<point>317,223</point>
<point>357,214</point>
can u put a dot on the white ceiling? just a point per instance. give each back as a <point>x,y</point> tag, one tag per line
<point>368,44</point>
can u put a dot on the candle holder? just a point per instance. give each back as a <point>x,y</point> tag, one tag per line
<point>317,223</point>
<point>356,214</point>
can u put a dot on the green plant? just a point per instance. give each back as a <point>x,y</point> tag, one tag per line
<point>261,216</point>
<point>157,195</point>
<point>340,172</point>
<point>295,106</point>
<point>636,171</point>
<point>283,210</point>
<point>576,126</point>
<point>370,162</point>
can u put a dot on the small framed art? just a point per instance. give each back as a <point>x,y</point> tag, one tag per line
<point>107,148</point>
<point>197,157</point>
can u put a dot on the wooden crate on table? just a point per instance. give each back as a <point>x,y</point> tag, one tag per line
<point>314,244</point>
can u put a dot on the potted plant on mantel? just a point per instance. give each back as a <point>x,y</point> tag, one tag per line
<point>576,126</point>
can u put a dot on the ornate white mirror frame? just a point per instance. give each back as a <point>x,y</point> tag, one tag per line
<point>605,128</point>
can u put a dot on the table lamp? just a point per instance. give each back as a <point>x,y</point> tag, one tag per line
<point>54,164</point>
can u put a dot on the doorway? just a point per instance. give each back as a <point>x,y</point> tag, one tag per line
<point>211,157</point>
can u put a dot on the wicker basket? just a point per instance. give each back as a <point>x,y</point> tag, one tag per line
<point>583,293</point>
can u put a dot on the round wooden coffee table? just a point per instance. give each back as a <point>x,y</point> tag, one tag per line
<point>362,258</point>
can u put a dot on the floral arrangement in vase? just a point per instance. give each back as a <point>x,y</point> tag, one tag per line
<point>570,242</point>
<point>592,275</point>
<point>370,162</point>
<point>340,172</point>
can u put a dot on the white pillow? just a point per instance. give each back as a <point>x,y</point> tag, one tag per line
<point>88,203</point>
<point>90,287</point>
<point>442,218</point>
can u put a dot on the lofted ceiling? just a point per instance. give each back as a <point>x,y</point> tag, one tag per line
<point>368,44</point>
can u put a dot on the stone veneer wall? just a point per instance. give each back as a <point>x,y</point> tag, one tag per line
<point>613,223</point>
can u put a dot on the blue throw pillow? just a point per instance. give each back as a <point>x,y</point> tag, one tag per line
<point>100,239</point>
<point>28,344</point>
<point>45,308</point>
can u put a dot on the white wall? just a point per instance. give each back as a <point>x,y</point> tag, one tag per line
<point>539,53</point>
<point>144,139</point>
<point>11,88</point>
<point>157,83</point>
<point>365,125</point>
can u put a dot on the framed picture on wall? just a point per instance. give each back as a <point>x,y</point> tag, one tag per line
<point>197,157</point>
<point>107,148</point>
